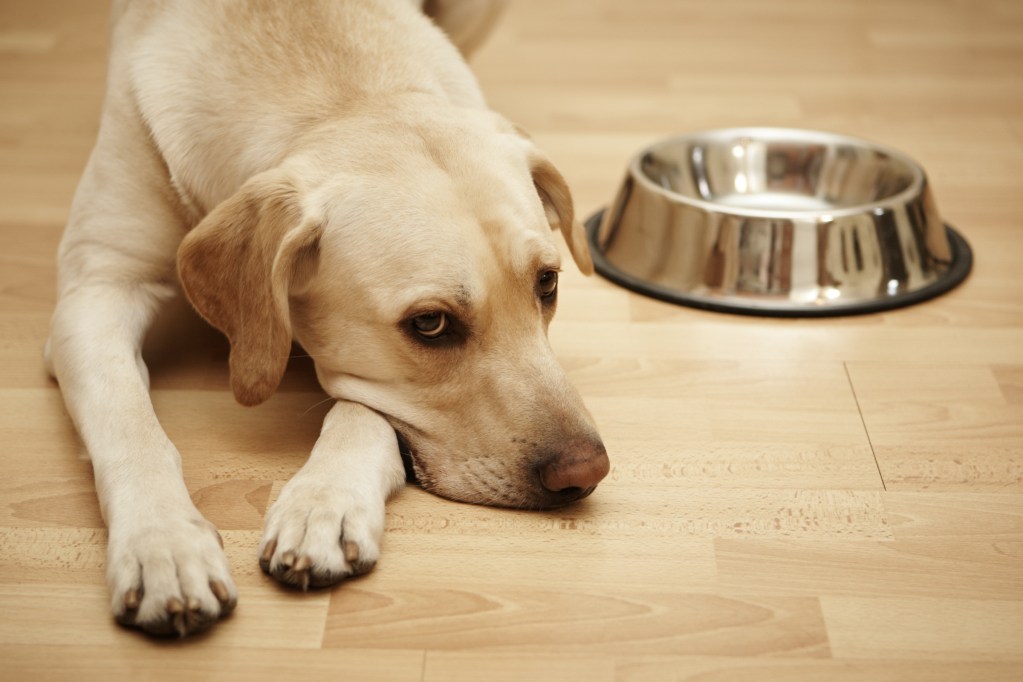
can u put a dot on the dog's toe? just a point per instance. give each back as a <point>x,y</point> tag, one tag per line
<point>315,540</point>
<point>176,618</point>
<point>225,595</point>
<point>179,616</point>
<point>304,571</point>
<point>295,570</point>
<point>170,580</point>
<point>353,555</point>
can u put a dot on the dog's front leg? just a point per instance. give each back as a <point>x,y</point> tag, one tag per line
<point>165,565</point>
<point>327,522</point>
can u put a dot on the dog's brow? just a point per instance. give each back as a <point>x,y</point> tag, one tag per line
<point>457,298</point>
<point>546,257</point>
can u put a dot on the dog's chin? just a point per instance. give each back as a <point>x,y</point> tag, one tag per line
<point>525,494</point>
<point>532,500</point>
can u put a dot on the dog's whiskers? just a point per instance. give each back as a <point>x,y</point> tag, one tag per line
<point>315,405</point>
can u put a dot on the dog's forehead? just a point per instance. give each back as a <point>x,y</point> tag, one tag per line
<point>463,268</point>
<point>521,247</point>
<point>430,245</point>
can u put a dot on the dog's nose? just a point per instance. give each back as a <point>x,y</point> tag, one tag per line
<point>579,468</point>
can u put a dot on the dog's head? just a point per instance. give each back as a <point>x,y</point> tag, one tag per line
<point>416,265</point>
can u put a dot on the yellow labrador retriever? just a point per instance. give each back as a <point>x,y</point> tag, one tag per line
<point>324,172</point>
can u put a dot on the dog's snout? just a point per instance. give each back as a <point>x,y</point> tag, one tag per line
<point>579,468</point>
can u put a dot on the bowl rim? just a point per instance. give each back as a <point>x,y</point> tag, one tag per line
<point>916,186</point>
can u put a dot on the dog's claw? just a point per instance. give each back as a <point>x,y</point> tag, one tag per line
<point>132,599</point>
<point>351,550</point>
<point>221,592</point>
<point>293,570</point>
<point>186,617</point>
<point>267,555</point>
<point>288,559</point>
<point>178,619</point>
<point>299,571</point>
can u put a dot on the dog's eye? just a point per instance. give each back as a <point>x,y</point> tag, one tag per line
<point>548,283</point>
<point>430,325</point>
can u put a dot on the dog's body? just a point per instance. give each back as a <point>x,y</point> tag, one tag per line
<point>324,172</point>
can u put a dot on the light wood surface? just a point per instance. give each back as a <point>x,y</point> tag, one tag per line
<point>799,500</point>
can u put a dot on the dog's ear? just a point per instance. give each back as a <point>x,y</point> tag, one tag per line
<point>557,204</point>
<point>237,266</point>
<point>554,195</point>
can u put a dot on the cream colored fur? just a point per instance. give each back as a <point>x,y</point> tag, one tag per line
<point>323,172</point>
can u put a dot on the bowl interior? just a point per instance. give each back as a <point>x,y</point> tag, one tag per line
<point>760,173</point>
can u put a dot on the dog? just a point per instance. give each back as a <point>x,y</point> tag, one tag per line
<point>324,173</point>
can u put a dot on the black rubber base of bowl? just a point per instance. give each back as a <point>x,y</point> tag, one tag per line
<point>962,263</point>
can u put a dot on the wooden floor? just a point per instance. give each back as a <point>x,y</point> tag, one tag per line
<point>811,500</point>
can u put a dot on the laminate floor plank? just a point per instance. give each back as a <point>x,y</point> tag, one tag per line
<point>833,499</point>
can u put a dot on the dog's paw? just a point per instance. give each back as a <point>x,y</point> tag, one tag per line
<point>169,576</point>
<point>317,535</point>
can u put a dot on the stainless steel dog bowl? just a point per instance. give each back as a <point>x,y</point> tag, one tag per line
<point>781,222</point>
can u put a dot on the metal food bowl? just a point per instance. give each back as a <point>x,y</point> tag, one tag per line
<point>771,221</point>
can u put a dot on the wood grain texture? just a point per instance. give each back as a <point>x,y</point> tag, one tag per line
<point>795,500</point>
<point>941,426</point>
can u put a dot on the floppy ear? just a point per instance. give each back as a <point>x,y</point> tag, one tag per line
<point>557,204</point>
<point>236,268</point>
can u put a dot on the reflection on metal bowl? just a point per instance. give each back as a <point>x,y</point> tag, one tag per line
<point>781,222</point>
